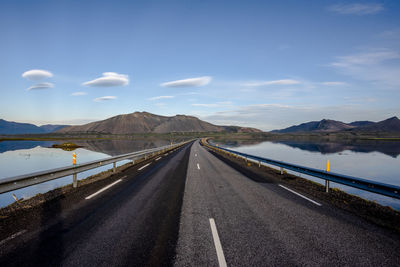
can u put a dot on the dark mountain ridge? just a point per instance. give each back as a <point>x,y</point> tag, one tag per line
<point>391,125</point>
<point>11,127</point>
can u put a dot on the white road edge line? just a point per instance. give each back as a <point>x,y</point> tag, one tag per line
<point>198,166</point>
<point>300,195</point>
<point>12,237</point>
<point>141,168</point>
<point>158,158</point>
<point>103,189</point>
<point>217,243</point>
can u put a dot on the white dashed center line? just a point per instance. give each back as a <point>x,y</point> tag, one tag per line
<point>198,166</point>
<point>195,155</point>
<point>141,168</point>
<point>158,158</point>
<point>300,195</point>
<point>217,243</point>
<point>103,189</point>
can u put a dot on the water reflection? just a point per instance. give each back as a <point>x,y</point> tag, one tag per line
<point>390,148</point>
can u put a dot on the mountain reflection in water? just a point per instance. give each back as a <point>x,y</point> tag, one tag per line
<point>390,148</point>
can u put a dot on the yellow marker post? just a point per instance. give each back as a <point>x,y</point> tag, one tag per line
<point>328,168</point>
<point>74,179</point>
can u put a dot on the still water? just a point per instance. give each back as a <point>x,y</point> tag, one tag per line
<point>22,157</point>
<point>377,161</point>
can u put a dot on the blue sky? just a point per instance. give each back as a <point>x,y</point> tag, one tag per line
<point>265,64</point>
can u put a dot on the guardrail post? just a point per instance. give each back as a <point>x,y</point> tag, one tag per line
<point>114,166</point>
<point>74,180</point>
<point>328,167</point>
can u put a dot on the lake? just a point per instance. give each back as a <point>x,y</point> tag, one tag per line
<point>23,157</point>
<point>373,160</point>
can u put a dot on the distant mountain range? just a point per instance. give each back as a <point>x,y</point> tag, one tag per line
<point>11,127</point>
<point>391,125</point>
<point>144,122</point>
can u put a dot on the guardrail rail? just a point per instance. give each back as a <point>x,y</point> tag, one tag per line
<point>360,183</point>
<point>21,181</point>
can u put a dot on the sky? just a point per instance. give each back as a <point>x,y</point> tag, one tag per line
<point>263,64</point>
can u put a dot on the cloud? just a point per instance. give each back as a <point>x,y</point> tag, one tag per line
<point>109,79</point>
<point>381,66</point>
<point>275,82</point>
<point>37,75</point>
<point>334,83</point>
<point>161,97</point>
<point>191,82</point>
<point>41,86</point>
<point>356,9</point>
<point>104,98</point>
<point>213,105</point>
<point>78,93</point>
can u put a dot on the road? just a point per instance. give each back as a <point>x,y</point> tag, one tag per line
<point>189,208</point>
<point>264,224</point>
<point>133,222</point>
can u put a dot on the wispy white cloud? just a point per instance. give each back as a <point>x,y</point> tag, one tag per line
<point>161,97</point>
<point>275,82</point>
<point>357,8</point>
<point>78,93</point>
<point>104,98</point>
<point>191,82</point>
<point>41,86</point>
<point>334,83</point>
<point>36,75</point>
<point>109,79</point>
<point>213,105</point>
<point>381,66</point>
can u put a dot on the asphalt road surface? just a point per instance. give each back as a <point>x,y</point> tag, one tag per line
<point>264,224</point>
<point>134,222</point>
<point>189,208</point>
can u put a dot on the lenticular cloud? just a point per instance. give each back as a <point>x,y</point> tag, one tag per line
<point>191,82</point>
<point>37,75</point>
<point>41,86</point>
<point>109,79</point>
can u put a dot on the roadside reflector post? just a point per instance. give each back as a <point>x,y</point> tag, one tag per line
<point>74,178</point>
<point>259,164</point>
<point>328,168</point>
<point>281,171</point>
<point>114,166</point>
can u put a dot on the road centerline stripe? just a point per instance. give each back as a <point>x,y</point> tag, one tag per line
<point>198,166</point>
<point>217,243</point>
<point>103,189</point>
<point>141,168</point>
<point>300,195</point>
<point>158,158</point>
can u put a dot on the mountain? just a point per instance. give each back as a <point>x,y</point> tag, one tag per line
<point>144,122</point>
<point>361,123</point>
<point>389,125</point>
<point>317,126</point>
<point>11,127</point>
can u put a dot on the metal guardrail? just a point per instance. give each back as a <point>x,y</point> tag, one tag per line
<point>363,184</point>
<point>21,181</point>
